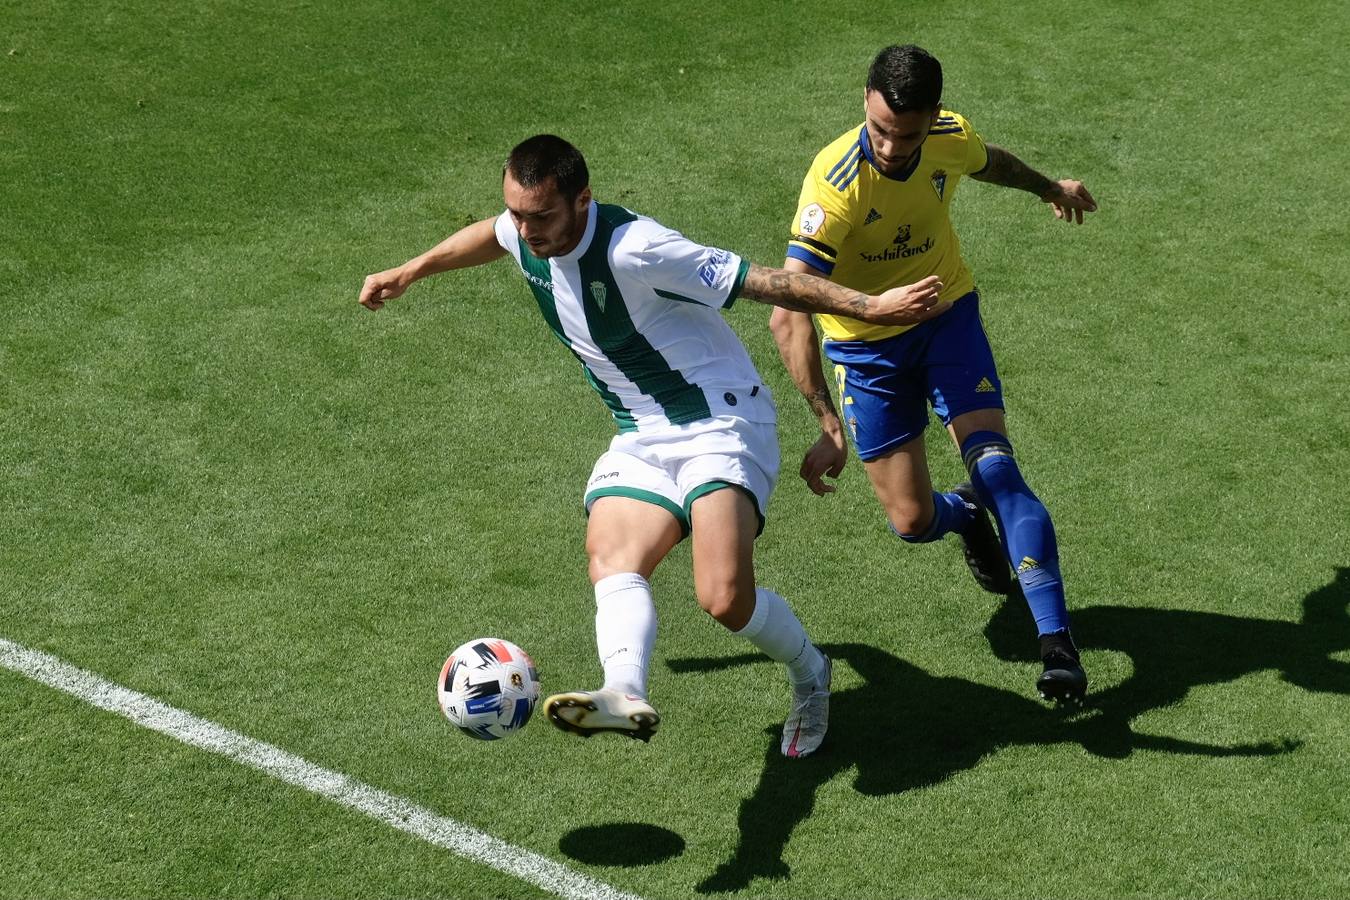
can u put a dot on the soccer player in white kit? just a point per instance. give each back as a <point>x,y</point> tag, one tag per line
<point>696,454</point>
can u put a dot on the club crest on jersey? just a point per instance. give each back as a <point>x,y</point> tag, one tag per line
<point>599,293</point>
<point>939,182</point>
<point>812,218</point>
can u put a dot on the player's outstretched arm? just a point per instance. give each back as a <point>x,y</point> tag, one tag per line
<point>905,305</point>
<point>1068,198</point>
<point>472,245</point>
<point>795,335</point>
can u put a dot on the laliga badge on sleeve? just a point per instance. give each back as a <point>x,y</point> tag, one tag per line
<point>812,218</point>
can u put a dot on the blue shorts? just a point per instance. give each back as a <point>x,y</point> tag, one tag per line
<point>885,386</point>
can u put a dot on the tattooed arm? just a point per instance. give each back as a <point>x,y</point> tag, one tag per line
<point>1069,199</point>
<point>1005,169</point>
<point>905,305</point>
<point>795,335</point>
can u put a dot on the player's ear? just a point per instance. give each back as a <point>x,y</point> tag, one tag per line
<point>584,198</point>
<point>937,111</point>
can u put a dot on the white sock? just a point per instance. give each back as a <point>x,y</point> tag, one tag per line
<point>625,631</point>
<point>775,629</point>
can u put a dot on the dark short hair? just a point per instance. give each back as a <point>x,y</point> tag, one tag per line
<point>907,77</point>
<point>544,156</point>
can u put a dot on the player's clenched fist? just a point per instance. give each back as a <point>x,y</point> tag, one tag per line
<point>382,286</point>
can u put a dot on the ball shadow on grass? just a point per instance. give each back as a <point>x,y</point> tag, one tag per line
<point>621,844</point>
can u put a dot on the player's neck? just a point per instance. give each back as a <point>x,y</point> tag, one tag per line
<point>578,231</point>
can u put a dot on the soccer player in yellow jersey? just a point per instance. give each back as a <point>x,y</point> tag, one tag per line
<point>874,212</point>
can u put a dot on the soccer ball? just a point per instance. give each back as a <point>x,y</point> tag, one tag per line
<point>488,688</point>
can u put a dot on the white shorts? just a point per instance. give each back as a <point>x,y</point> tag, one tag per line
<point>674,466</point>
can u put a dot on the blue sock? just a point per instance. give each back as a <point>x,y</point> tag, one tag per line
<point>950,513</point>
<point>1023,524</point>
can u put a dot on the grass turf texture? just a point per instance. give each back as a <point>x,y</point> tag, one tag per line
<point>225,485</point>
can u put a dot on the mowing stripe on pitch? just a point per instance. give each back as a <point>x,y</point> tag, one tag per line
<point>403,814</point>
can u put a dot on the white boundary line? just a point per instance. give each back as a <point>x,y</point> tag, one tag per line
<point>398,812</point>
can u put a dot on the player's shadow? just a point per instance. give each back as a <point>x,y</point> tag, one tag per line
<point>903,728</point>
<point>1173,651</point>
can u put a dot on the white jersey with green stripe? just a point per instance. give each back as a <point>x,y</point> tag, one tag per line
<point>638,304</point>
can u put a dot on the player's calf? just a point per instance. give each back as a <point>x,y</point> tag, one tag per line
<point>1028,535</point>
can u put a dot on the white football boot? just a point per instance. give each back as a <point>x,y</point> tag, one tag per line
<point>804,730</point>
<point>590,712</point>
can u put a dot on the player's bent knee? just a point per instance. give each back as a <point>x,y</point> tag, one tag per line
<point>983,450</point>
<point>607,561</point>
<point>717,602</point>
<point>641,553</point>
<point>725,604</point>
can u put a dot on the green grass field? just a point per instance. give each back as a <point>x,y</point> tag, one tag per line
<point>225,485</point>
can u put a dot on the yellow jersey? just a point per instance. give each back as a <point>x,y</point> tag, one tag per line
<point>871,232</point>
